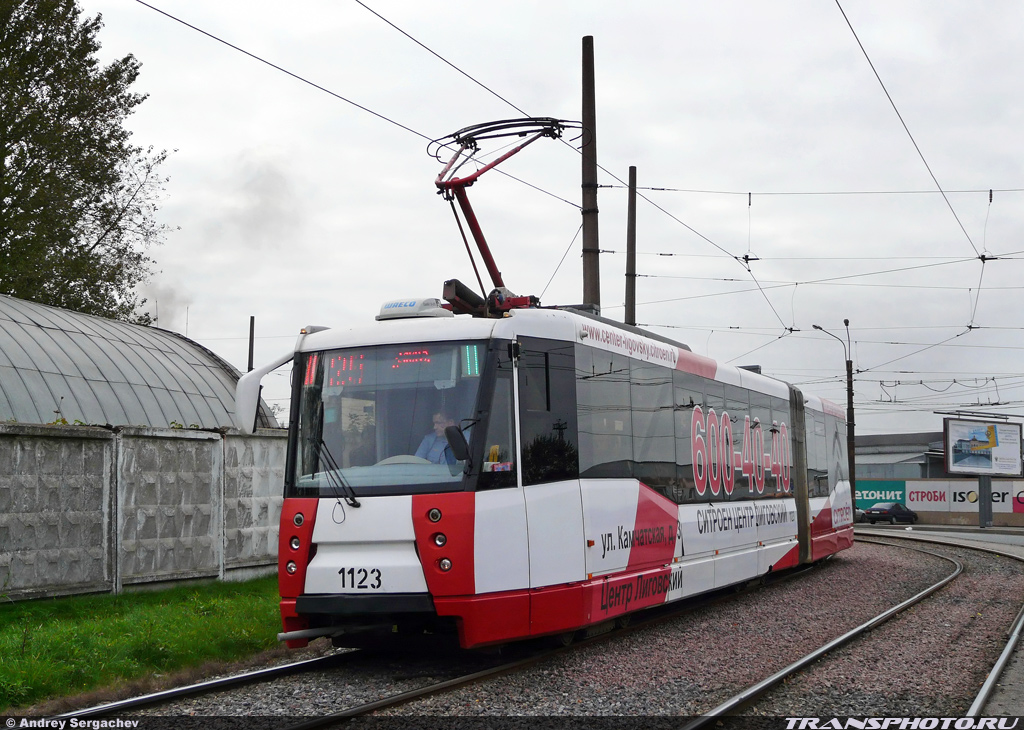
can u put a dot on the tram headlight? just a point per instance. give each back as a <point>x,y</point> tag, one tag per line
<point>434,515</point>
<point>294,543</point>
<point>444,564</point>
<point>440,540</point>
<point>298,519</point>
<point>291,567</point>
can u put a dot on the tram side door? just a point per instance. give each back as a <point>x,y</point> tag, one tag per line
<point>501,551</point>
<point>549,458</point>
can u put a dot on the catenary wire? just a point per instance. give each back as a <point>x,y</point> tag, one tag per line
<point>814,192</point>
<point>906,128</point>
<point>285,71</point>
<point>332,93</point>
<point>1010,256</point>
<point>424,136</point>
<point>483,86</point>
<point>779,286</point>
<point>568,248</point>
<point>613,175</point>
<point>839,283</point>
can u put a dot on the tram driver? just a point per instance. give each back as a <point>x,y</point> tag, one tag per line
<point>434,446</point>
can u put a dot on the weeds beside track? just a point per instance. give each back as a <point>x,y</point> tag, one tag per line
<point>62,646</point>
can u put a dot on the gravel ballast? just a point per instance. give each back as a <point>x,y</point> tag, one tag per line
<point>929,660</point>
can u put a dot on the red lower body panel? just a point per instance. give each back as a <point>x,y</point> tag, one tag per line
<point>501,617</point>
<point>831,542</point>
<point>554,610</point>
<point>291,621</point>
<point>488,619</point>
<point>790,560</point>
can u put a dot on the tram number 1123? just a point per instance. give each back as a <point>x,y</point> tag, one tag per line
<point>360,578</point>
<point>715,458</point>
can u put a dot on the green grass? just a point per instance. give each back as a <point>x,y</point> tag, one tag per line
<point>57,647</point>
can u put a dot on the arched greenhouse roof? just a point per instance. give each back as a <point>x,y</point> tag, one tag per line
<point>57,365</point>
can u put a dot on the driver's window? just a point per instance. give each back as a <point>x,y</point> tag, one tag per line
<point>499,448</point>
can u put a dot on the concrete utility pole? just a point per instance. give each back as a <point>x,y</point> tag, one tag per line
<point>631,249</point>
<point>591,246</point>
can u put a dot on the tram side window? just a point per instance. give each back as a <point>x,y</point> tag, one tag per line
<point>688,394</point>
<point>737,404</point>
<point>499,461</point>
<point>654,444</point>
<point>547,410</point>
<point>838,465</point>
<point>761,444</point>
<point>817,460</point>
<point>602,390</point>
<point>310,400</point>
<point>781,421</point>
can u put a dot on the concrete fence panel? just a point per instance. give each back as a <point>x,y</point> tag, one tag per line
<point>253,475</point>
<point>170,484</point>
<point>56,495</point>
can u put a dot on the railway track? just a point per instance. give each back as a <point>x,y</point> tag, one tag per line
<point>747,700</point>
<point>423,697</point>
<point>267,674</point>
<point>525,655</point>
<point>987,702</point>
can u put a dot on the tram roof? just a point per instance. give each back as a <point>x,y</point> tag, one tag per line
<point>560,324</point>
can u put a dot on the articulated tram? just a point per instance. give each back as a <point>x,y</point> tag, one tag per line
<point>537,473</point>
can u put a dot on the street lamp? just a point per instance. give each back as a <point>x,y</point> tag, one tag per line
<point>850,443</point>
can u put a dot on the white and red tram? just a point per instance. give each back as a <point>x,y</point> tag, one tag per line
<point>590,470</point>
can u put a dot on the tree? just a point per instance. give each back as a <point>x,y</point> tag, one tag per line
<point>77,200</point>
<point>550,459</point>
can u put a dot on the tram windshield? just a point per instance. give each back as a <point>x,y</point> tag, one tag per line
<point>371,420</point>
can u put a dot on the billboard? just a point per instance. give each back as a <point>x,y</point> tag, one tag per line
<point>939,495</point>
<point>936,495</point>
<point>982,448</point>
<point>874,491</point>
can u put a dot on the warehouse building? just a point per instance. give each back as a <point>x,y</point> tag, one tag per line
<point>62,367</point>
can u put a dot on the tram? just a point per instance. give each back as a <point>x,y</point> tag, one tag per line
<point>588,470</point>
<point>486,470</point>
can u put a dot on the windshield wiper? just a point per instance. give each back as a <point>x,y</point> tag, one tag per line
<point>335,479</point>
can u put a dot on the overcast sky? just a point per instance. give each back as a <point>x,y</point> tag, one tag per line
<point>299,208</point>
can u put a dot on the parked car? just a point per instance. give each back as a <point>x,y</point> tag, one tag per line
<point>858,515</point>
<point>891,512</point>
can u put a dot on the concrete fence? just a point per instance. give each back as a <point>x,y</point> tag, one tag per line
<point>85,509</point>
<point>947,501</point>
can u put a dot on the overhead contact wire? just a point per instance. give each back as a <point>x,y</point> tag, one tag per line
<point>906,128</point>
<point>828,280</point>
<point>521,111</point>
<point>443,59</point>
<point>285,71</point>
<point>977,296</point>
<point>328,91</point>
<point>568,248</point>
<point>916,352</point>
<point>761,347</point>
<point>812,192</point>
